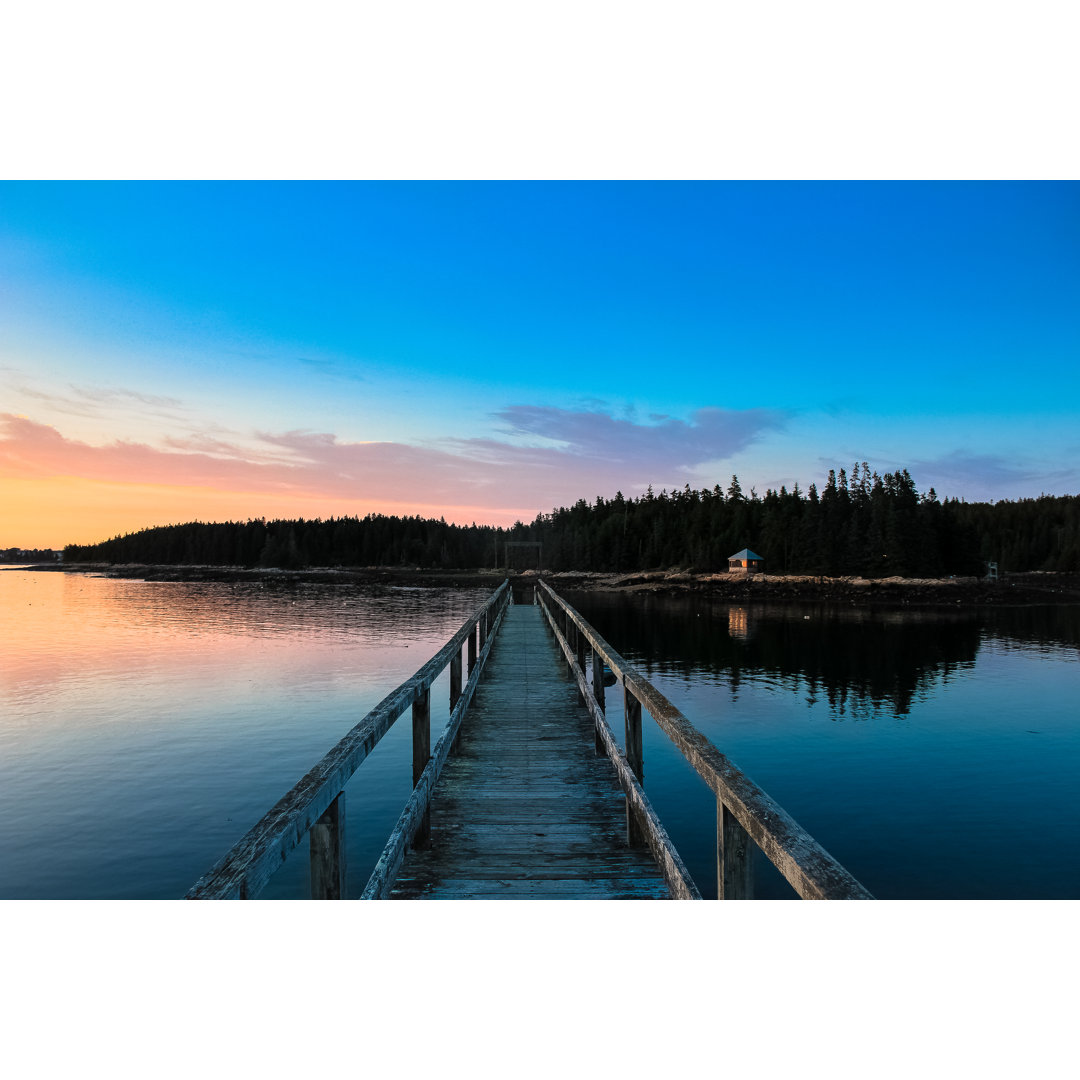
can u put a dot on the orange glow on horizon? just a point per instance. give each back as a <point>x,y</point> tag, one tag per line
<point>54,511</point>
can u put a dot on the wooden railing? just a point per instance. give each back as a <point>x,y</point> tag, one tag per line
<point>744,812</point>
<point>315,806</point>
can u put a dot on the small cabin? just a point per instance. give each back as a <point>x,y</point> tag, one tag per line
<point>745,562</point>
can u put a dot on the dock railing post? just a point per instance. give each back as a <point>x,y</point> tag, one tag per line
<point>598,693</point>
<point>635,759</point>
<point>455,679</point>
<point>455,692</point>
<point>421,747</point>
<point>734,870</point>
<point>580,641</point>
<point>472,650</point>
<point>326,840</point>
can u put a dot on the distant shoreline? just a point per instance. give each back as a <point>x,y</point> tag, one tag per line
<point>1016,589</point>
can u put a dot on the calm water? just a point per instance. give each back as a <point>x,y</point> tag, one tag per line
<point>144,727</point>
<point>934,753</point>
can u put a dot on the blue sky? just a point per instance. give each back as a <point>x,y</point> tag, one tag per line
<point>489,350</point>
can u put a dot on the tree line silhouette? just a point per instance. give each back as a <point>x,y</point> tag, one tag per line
<point>19,555</point>
<point>868,524</point>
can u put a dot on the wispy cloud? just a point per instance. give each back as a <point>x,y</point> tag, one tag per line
<point>114,395</point>
<point>990,476</point>
<point>664,444</point>
<point>93,401</point>
<point>331,369</point>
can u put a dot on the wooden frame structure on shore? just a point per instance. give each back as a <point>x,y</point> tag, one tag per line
<point>517,545</point>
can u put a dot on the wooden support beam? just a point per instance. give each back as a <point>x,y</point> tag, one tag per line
<point>455,678</point>
<point>635,759</point>
<point>734,870</point>
<point>327,846</point>
<point>455,692</point>
<point>421,746</point>
<point>598,693</point>
<point>472,650</point>
<point>580,643</point>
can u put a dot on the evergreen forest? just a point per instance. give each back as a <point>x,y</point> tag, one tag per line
<point>863,523</point>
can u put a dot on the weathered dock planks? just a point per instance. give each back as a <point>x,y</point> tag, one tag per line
<point>526,809</point>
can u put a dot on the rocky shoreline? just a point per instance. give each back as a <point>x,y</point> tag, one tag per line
<point>1016,589</point>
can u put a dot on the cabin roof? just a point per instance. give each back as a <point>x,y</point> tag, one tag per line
<point>746,553</point>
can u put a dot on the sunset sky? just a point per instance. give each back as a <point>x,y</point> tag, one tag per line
<point>487,351</point>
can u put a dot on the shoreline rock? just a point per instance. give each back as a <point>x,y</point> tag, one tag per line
<point>1017,589</point>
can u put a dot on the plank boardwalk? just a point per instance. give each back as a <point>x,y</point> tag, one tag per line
<point>526,809</point>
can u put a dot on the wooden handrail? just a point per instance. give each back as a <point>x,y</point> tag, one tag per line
<point>316,799</point>
<point>643,822</point>
<point>409,826</point>
<point>742,806</point>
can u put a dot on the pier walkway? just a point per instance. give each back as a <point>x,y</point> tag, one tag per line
<point>525,807</point>
<point>527,793</point>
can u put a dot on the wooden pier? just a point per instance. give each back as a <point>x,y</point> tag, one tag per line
<point>526,808</point>
<point>527,794</point>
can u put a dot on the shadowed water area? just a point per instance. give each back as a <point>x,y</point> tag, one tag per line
<point>934,752</point>
<point>145,726</point>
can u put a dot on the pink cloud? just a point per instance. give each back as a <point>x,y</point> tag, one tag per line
<point>319,465</point>
<point>597,454</point>
<point>665,445</point>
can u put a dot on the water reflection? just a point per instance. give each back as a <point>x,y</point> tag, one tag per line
<point>144,727</point>
<point>857,659</point>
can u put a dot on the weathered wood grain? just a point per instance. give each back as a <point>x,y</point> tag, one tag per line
<point>527,809</point>
<point>680,884</point>
<point>574,887</point>
<point>326,840</point>
<point>455,678</point>
<point>734,869</point>
<point>455,687</point>
<point>598,694</point>
<point>579,650</point>
<point>421,755</point>
<point>417,808</point>
<point>635,758</point>
<point>807,866</point>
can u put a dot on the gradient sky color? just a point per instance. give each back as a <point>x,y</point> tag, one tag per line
<point>487,351</point>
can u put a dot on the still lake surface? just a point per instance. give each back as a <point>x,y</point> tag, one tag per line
<point>145,726</point>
